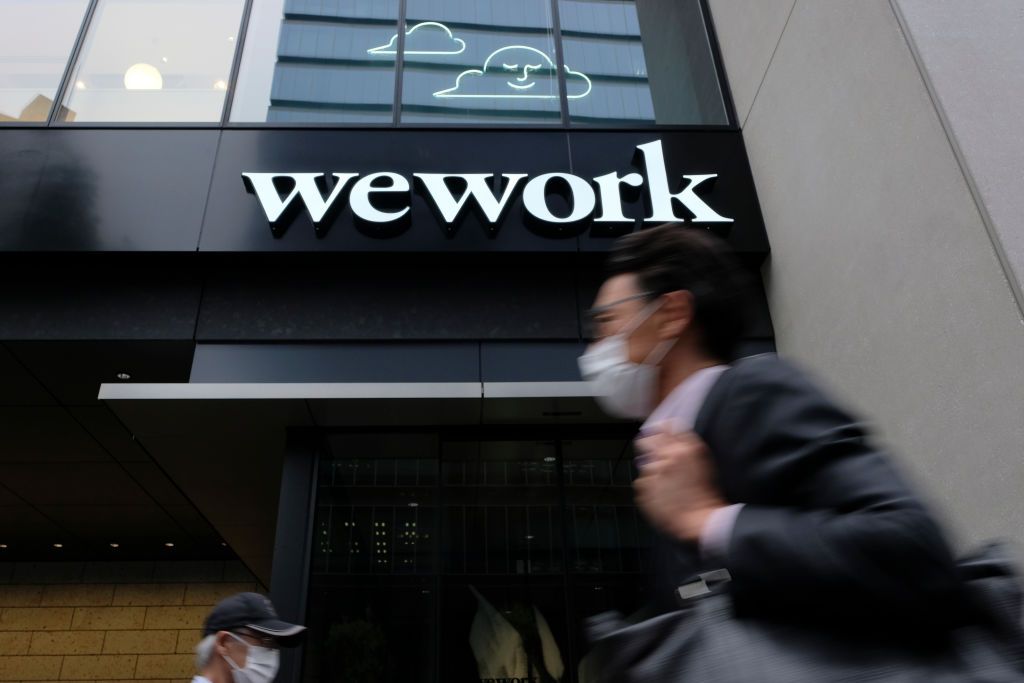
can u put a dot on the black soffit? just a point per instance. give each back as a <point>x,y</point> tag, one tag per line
<point>74,483</point>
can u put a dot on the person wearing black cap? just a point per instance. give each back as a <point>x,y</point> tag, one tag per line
<point>242,637</point>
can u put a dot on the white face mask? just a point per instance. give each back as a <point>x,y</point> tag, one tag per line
<point>624,388</point>
<point>261,664</point>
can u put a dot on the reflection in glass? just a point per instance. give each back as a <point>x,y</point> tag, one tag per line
<point>307,61</point>
<point>36,39</point>
<point>521,635</point>
<point>155,61</point>
<point>481,61</point>
<point>625,62</point>
<point>649,60</point>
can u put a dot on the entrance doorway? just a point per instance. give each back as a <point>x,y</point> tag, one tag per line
<point>469,554</point>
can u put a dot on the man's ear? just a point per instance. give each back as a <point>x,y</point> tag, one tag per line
<point>220,645</point>
<point>676,314</point>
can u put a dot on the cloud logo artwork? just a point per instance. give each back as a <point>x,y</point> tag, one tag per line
<point>517,71</point>
<point>426,38</point>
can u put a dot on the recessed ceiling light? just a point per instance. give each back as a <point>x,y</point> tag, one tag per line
<point>115,545</point>
<point>231,39</point>
<point>123,375</point>
<point>224,544</point>
<point>414,505</point>
<point>143,76</point>
<point>549,458</point>
<point>58,545</point>
<point>220,85</point>
<point>80,85</point>
<point>3,546</point>
<point>163,59</point>
<point>529,537</point>
<point>169,544</point>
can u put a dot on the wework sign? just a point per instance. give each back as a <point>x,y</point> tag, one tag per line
<point>383,198</point>
<point>520,190</point>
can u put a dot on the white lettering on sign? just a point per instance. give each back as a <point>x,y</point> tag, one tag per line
<point>610,187</point>
<point>535,198</point>
<point>394,195</point>
<point>476,187</point>
<point>663,210</point>
<point>305,185</point>
<point>364,208</point>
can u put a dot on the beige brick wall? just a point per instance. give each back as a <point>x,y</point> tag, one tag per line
<point>107,621</point>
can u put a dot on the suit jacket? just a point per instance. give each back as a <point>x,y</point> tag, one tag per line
<point>830,532</point>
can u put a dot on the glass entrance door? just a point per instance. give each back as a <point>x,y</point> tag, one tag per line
<point>469,555</point>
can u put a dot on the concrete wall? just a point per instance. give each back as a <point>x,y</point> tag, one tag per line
<point>884,277</point>
<point>971,55</point>
<point>106,621</point>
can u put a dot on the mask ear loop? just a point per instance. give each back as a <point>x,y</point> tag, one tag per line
<point>662,349</point>
<point>230,661</point>
<point>641,317</point>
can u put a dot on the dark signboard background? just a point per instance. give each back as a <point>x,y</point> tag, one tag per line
<point>182,190</point>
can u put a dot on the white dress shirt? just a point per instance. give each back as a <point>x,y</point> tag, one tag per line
<point>678,413</point>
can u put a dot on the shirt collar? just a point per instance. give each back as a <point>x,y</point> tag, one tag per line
<point>684,402</point>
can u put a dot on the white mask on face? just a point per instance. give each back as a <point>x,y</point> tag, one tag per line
<point>624,388</point>
<point>261,664</point>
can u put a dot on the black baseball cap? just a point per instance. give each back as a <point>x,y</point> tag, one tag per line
<point>252,611</point>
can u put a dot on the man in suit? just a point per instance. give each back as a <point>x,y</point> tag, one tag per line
<point>747,464</point>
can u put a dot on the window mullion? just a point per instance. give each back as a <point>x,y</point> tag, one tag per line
<point>399,61</point>
<point>243,29</point>
<point>69,69</point>
<point>556,27</point>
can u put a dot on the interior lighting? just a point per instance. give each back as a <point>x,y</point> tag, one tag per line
<point>143,76</point>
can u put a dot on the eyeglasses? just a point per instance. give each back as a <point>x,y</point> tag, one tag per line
<point>591,317</point>
<point>261,640</point>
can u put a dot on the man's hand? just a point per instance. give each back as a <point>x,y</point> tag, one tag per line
<point>676,489</point>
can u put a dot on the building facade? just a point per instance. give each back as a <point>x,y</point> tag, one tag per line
<point>294,291</point>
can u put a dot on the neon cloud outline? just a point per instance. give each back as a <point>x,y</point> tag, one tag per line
<point>452,91</point>
<point>383,49</point>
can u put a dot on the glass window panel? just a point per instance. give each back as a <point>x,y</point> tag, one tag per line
<point>649,62</point>
<point>472,564</point>
<point>367,521</point>
<point>155,61</point>
<point>405,471</point>
<point>308,61</point>
<point>36,39</point>
<point>362,630</point>
<point>480,61</point>
<point>606,535</point>
<point>323,540</point>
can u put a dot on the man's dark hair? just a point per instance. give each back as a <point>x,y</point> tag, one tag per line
<point>673,257</point>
